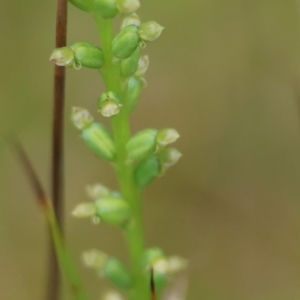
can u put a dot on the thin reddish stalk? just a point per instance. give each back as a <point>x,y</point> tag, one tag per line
<point>53,275</point>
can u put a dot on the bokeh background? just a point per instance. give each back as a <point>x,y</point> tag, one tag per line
<point>226,74</point>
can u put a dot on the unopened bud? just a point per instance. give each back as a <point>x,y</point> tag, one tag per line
<point>133,19</point>
<point>130,64</point>
<point>94,259</point>
<point>125,43</point>
<point>169,156</point>
<point>84,210</point>
<point>141,145</point>
<point>128,6</point>
<point>109,104</point>
<point>118,274</point>
<point>166,136</point>
<point>107,8</point>
<point>85,5</point>
<point>150,31</point>
<point>81,117</point>
<point>133,91</point>
<point>113,210</point>
<point>97,138</point>
<point>147,170</point>
<point>88,55</point>
<point>97,190</point>
<point>64,57</point>
<point>142,65</point>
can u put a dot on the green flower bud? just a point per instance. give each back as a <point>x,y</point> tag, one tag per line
<point>107,8</point>
<point>97,138</point>
<point>84,210</point>
<point>168,157</point>
<point>150,31</point>
<point>113,210</point>
<point>81,118</point>
<point>125,43</point>
<point>64,57</point>
<point>128,6</point>
<point>133,19</point>
<point>147,170</point>
<point>85,5</point>
<point>166,136</point>
<point>142,65</point>
<point>130,64</point>
<point>109,104</point>
<point>94,259</point>
<point>133,91</point>
<point>150,256</point>
<point>97,190</point>
<point>118,274</point>
<point>88,55</point>
<point>141,145</point>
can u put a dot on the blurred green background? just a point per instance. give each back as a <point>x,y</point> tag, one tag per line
<point>226,75</point>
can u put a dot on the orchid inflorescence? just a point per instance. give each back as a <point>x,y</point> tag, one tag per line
<point>137,159</point>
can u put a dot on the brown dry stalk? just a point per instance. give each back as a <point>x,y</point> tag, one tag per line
<point>53,276</point>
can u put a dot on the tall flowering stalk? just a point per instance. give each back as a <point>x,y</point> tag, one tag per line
<point>137,159</point>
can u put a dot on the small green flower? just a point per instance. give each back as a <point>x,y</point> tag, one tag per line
<point>130,64</point>
<point>133,91</point>
<point>143,66</point>
<point>97,190</point>
<point>99,140</point>
<point>94,259</point>
<point>128,6</point>
<point>146,171</point>
<point>133,19</point>
<point>84,210</point>
<point>169,156</point>
<point>141,145</point>
<point>113,210</point>
<point>166,136</point>
<point>118,274</point>
<point>150,31</point>
<point>64,57</point>
<point>126,42</point>
<point>88,55</point>
<point>109,104</point>
<point>81,118</point>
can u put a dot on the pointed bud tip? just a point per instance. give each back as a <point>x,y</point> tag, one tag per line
<point>94,259</point>
<point>167,136</point>
<point>129,6</point>
<point>97,190</point>
<point>84,210</point>
<point>150,31</point>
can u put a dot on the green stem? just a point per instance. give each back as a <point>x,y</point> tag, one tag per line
<point>64,257</point>
<point>120,123</point>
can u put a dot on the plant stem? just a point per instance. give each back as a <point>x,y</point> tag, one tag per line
<point>64,257</point>
<point>53,280</point>
<point>62,253</point>
<point>120,123</point>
